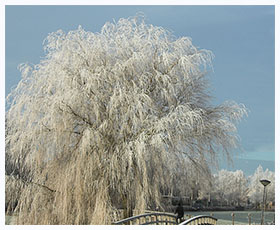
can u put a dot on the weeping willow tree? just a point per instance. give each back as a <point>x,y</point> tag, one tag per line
<point>109,120</point>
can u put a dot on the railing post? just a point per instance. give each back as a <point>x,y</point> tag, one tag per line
<point>153,218</point>
<point>156,219</point>
<point>249,218</point>
<point>232,214</point>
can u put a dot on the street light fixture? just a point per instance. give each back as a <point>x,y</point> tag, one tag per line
<point>264,183</point>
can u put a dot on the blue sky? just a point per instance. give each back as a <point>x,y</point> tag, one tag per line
<point>241,38</point>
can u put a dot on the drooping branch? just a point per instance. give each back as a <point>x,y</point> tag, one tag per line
<point>28,182</point>
<point>111,117</point>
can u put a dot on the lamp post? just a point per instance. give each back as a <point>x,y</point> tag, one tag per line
<point>264,183</point>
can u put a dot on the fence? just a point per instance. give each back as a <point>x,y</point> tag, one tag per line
<point>161,218</point>
<point>157,218</point>
<point>200,220</point>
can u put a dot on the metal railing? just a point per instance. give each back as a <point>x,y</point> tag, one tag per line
<point>200,220</point>
<point>158,218</point>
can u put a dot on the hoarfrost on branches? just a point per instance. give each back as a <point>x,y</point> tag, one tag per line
<point>256,188</point>
<point>102,122</point>
<point>231,187</point>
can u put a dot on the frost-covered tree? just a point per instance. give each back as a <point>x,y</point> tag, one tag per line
<point>256,188</point>
<point>231,186</point>
<point>187,177</point>
<point>105,119</point>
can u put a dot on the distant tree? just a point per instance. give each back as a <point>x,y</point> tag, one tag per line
<point>231,186</point>
<point>105,119</point>
<point>256,188</point>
